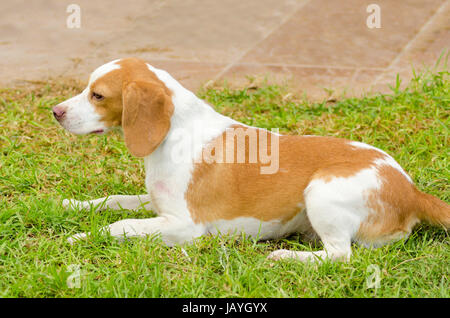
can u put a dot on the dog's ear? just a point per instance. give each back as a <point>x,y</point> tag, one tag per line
<point>147,109</point>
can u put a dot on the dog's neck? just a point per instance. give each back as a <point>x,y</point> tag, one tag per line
<point>193,118</point>
<point>190,112</point>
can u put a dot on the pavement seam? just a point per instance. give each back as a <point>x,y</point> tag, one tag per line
<point>411,42</point>
<point>240,56</point>
<point>336,67</point>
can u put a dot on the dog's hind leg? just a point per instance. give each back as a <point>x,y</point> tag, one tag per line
<point>333,227</point>
<point>336,207</point>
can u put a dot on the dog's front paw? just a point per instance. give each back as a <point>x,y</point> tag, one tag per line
<point>280,254</point>
<point>72,204</point>
<point>76,237</point>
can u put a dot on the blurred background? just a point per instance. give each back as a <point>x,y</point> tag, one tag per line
<point>320,48</point>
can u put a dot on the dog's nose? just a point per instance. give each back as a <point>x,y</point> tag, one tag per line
<point>59,112</point>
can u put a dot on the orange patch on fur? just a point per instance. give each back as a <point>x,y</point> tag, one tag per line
<point>397,207</point>
<point>393,206</point>
<point>137,100</point>
<point>230,190</point>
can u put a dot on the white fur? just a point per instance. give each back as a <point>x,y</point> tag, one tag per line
<point>81,117</point>
<point>388,160</point>
<point>256,228</point>
<point>167,181</point>
<point>102,70</point>
<point>334,209</point>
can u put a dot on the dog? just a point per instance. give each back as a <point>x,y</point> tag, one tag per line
<point>209,174</point>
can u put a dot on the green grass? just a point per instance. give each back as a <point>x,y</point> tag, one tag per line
<point>40,164</point>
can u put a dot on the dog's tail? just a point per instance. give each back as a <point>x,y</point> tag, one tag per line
<point>433,210</point>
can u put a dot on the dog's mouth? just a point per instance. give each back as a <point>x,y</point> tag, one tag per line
<point>98,131</point>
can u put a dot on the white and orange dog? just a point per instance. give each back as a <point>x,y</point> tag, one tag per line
<point>197,183</point>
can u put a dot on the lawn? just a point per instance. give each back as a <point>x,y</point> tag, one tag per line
<point>41,164</point>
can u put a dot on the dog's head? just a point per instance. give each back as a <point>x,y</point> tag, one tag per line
<point>121,93</point>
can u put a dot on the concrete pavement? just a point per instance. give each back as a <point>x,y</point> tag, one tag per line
<point>318,47</point>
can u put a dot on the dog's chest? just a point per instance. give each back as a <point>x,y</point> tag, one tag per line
<point>166,184</point>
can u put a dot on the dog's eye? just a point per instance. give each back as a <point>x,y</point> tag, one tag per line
<point>97,96</point>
